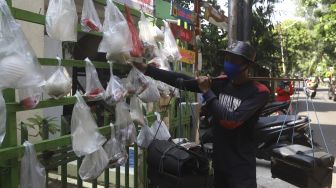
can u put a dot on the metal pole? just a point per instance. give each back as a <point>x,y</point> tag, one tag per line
<point>232,30</point>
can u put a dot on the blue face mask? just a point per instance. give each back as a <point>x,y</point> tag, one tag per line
<point>231,69</point>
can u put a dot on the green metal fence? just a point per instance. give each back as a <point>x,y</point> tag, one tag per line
<point>60,148</point>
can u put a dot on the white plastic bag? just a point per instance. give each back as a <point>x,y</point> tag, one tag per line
<point>115,150</point>
<point>84,134</point>
<point>61,20</point>
<point>93,164</point>
<point>59,84</point>
<point>2,118</point>
<point>160,129</point>
<point>163,88</point>
<point>32,172</point>
<point>19,67</point>
<point>150,94</point>
<point>94,89</point>
<point>89,19</point>
<point>117,38</point>
<point>115,91</point>
<point>122,114</point>
<point>136,110</point>
<point>128,135</point>
<point>147,35</point>
<point>159,35</point>
<point>170,48</point>
<point>145,137</point>
<point>30,97</point>
<point>136,81</point>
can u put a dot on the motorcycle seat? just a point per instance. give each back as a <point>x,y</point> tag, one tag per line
<point>276,104</point>
<point>271,121</point>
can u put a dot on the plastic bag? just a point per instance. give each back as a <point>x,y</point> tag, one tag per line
<point>115,150</point>
<point>84,134</point>
<point>117,38</point>
<point>19,67</point>
<point>163,88</point>
<point>127,135</point>
<point>90,20</point>
<point>30,97</point>
<point>136,81</point>
<point>94,89</point>
<point>32,172</point>
<point>170,48</point>
<point>115,91</point>
<point>93,164</point>
<point>122,114</point>
<point>2,118</point>
<point>61,20</point>
<point>136,110</point>
<point>59,84</point>
<point>160,129</point>
<point>146,34</point>
<point>159,35</point>
<point>145,137</point>
<point>137,45</point>
<point>150,94</point>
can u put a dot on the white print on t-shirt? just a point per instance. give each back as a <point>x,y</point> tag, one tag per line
<point>229,102</point>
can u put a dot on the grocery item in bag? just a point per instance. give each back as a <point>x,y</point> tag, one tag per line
<point>2,118</point>
<point>128,135</point>
<point>146,34</point>
<point>19,67</point>
<point>150,94</point>
<point>136,110</point>
<point>122,114</point>
<point>61,20</point>
<point>93,164</point>
<point>116,151</point>
<point>94,89</point>
<point>32,172</point>
<point>145,137</point>
<point>90,20</point>
<point>30,97</point>
<point>59,84</point>
<point>115,91</point>
<point>117,38</point>
<point>136,81</point>
<point>84,134</point>
<point>137,45</point>
<point>170,48</point>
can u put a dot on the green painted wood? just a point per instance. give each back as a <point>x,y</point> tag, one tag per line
<point>64,169</point>
<point>94,183</point>
<point>107,178</point>
<point>118,177</point>
<point>79,180</point>
<point>28,16</point>
<point>144,169</point>
<point>127,169</point>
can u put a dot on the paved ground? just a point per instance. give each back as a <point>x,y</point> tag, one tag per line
<point>326,116</point>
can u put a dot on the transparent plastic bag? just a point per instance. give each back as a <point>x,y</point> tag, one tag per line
<point>61,20</point>
<point>137,45</point>
<point>145,137</point>
<point>115,91</point>
<point>136,81</point>
<point>32,172</point>
<point>94,89</point>
<point>30,97</point>
<point>136,111</point>
<point>128,135</point>
<point>115,150</point>
<point>159,128</point>
<point>84,134</point>
<point>159,35</point>
<point>89,19</point>
<point>19,67</point>
<point>163,88</point>
<point>93,164</point>
<point>170,48</point>
<point>2,118</point>
<point>117,38</point>
<point>150,94</point>
<point>59,84</point>
<point>146,31</point>
<point>122,114</point>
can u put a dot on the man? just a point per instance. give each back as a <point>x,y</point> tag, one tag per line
<point>234,101</point>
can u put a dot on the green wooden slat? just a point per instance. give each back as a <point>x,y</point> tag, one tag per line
<point>94,183</point>
<point>28,16</point>
<point>18,151</point>
<point>127,169</point>
<point>79,180</point>
<point>118,177</point>
<point>107,178</point>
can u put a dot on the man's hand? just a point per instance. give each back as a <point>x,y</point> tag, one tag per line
<point>204,83</point>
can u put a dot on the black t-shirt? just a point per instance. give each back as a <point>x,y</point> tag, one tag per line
<point>235,111</point>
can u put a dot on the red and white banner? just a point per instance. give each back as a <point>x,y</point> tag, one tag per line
<point>147,6</point>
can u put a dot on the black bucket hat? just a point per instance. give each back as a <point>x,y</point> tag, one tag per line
<point>240,48</point>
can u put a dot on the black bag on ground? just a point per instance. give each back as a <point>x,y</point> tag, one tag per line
<point>302,167</point>
<point>166,156</point>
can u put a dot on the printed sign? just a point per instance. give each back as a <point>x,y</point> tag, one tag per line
<point>181,33</point>
<point>187,56</point>
<point>215,17</point>
<point>147,6</point>
<point>182,13</point>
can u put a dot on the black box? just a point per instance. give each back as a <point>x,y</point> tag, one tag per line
<point>300,166</point>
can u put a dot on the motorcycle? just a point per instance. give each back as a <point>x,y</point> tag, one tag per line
<point>311,87</point>
<point>275,107</point>
<point>332,91</point>
<point>270,132</point>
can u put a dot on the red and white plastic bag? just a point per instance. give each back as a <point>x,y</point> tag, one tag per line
<point>89,19</point>
<point>117,38</point>
<point>94,89</point>
<point>84,134</point>
<point>19,67</point>
<point>61,20</point>
<point>115,91</point>
<point>30,97</point>
<point>2,118</point>
<point>137,45</point>
<point>93,165</point>
<point>32,172</point>
<point>136,81</point>
<point>60,83</point>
